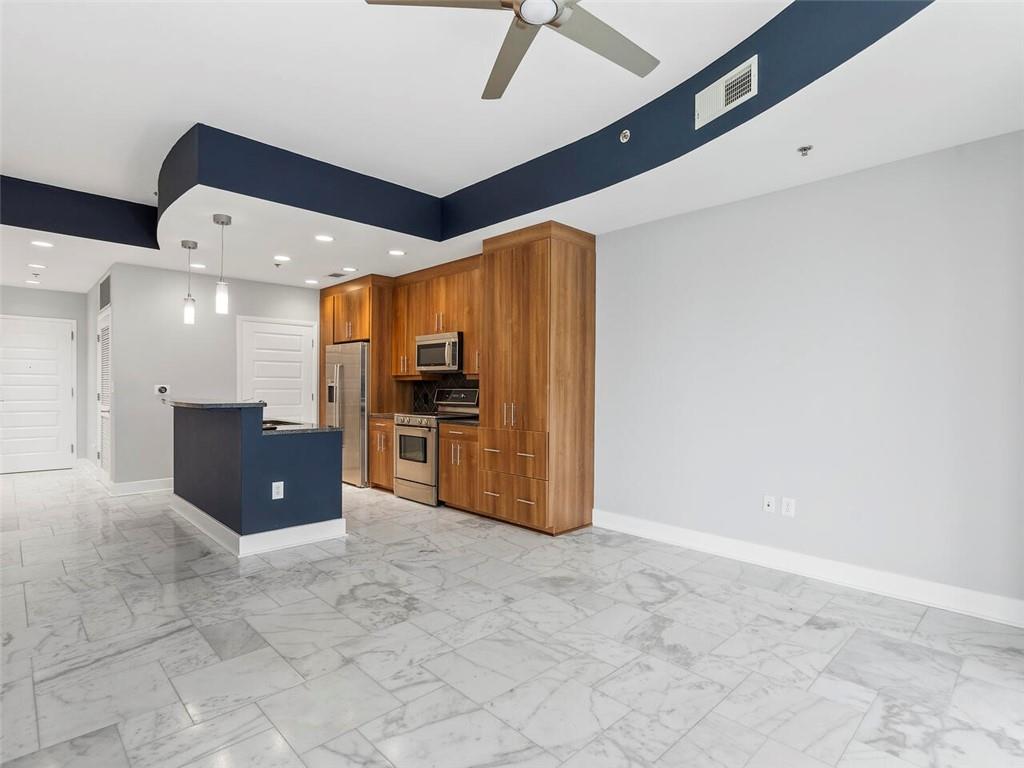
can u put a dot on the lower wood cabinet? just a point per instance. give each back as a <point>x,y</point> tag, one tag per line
<point>521,500</point>
<point>514,452</point>
<point>458,466</point>
<point>382,453</point>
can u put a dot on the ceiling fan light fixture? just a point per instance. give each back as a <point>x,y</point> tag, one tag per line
<point>538,12</point>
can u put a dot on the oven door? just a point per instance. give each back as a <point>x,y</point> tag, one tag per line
<point>437,354</point>
<point>416,454</point>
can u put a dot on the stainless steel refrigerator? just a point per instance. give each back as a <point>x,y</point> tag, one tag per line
<point>348,380</point>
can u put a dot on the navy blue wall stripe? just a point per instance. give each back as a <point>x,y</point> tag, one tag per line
<point>223,160</point>
<point>32,205</point>
<point>806,40</point>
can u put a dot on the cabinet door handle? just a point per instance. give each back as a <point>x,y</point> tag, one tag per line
<point>504,414</point>
<point>524,501</point>
<point>513,414</point>
<point>491,450</point>
<point>495,495</point>
<point>526,455</point>
<point>458,454</point>
<point>453,453</point>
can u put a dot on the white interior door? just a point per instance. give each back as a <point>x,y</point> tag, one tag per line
<point>37,399</point>
<point>277,363</point>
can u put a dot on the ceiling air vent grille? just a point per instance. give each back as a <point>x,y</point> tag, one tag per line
<point>337,275</point>
<point>725,93</point>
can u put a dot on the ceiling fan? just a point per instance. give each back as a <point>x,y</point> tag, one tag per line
<point>564,16</point>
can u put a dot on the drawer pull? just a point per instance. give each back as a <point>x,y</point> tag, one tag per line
<point>488,493</point>
<point>453,432</point>
<point>526,455</point>
<point>491,450</point>
<point>524,501</point>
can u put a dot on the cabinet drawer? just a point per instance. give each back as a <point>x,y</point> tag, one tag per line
<point>530,458</point>
<point>387,425</point>
<point>497,447</point>
<point>496,494</point>
<point>530,502</point>
<point>458,432</point>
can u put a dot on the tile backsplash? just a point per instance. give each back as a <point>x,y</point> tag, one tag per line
<point>423,391</point>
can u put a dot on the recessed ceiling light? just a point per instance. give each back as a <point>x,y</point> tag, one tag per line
<point>396,252</point>
<point>198,266</point>
<point>280,257</point>
<point>325,238</point>
<point>42,244</point>
<point>32,282</point>
<point>349,269</point>
<point>37,266</point>
<point>312,282</point>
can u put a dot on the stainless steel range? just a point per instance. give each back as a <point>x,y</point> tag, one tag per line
<point>416,439</point>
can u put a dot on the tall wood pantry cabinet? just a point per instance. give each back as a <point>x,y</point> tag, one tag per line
<point>537,378</point>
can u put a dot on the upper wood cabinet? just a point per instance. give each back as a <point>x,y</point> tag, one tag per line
<point>352,314</point>
<point>437,300</point>
<point>537,377</point>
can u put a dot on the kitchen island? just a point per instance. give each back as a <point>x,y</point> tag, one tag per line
<point>255,486</point>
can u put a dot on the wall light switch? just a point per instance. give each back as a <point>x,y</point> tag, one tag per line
<point>277,489</point>
<point>768,504</point>
<point>788,507</point>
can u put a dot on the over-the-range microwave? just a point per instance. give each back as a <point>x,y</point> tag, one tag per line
<point>439,352</point>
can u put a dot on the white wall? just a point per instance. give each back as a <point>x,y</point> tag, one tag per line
<point>151,345</point>
<point>32,302</point>
<point>856,343</point>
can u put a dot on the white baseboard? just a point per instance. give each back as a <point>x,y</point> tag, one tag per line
<point>983,605</point>
<point>257,543</point>
<point>137,486</point>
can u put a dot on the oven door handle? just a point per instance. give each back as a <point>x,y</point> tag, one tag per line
<point>425,431</point>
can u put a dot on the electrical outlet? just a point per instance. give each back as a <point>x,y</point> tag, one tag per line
<point>277,489</point>
<point>788,507</point>
<point>768,504</point>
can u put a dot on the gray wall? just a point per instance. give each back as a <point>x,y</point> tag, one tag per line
<point>151,345</point>
<point>856,343</point>
<point>62,304</point>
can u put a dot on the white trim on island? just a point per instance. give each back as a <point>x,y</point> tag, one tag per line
<point>257,543</point>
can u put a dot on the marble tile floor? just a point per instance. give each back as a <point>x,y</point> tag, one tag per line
<point>431,637</point>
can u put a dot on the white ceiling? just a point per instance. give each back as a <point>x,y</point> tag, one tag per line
<point>952,74</point>
<point>94,93</point>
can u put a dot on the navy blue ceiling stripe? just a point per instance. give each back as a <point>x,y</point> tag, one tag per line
<point>806,40</point>
<point>223,160</point>
<point>32,205</point>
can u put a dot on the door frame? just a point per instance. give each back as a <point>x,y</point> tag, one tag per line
<point>241,320</point>
<point>72,325</point>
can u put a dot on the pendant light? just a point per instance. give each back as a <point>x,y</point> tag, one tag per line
<point>190,303</point>
<point>220,301</point>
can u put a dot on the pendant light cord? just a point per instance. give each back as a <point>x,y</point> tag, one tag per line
<point>188,273</point>
<point>221,253</point>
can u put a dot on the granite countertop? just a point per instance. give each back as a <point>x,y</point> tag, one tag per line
<point>299,429</point>
<point>463,422</point>
<point>199,402</point>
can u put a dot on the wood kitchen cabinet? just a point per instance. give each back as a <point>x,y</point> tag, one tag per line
<point>382,453</point>
<point>537,377</point>
<point>441,299</point>
<point>352,314</point>
<point>458,460</point>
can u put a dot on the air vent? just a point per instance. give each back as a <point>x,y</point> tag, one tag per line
<point>337,275</point>
<point>725,93</point>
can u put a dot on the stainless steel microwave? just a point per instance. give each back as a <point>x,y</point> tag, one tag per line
<point>439,352</point>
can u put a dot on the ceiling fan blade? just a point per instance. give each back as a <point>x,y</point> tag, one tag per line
<point>590,32</point>
<point>490,5</point>
<point>517,43</point>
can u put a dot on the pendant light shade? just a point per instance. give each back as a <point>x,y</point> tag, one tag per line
<point>220,303</point>
<point>220,299</point>
<point>189,314</point>
<point>190,311</point>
